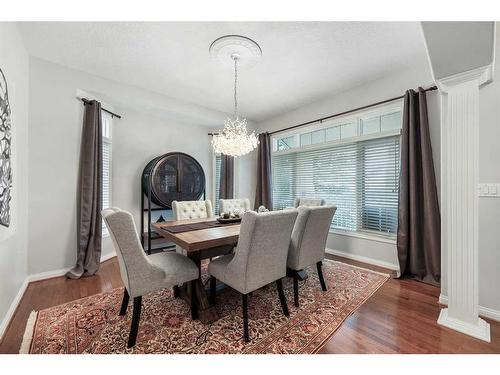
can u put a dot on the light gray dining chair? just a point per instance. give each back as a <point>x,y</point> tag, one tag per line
<point>183,210</point>
<point>143,274</point>
<point>308,243</point>
<point>309,202</point>
<point>186,210</point>
<point>230,205</point>
<point>259,259</point>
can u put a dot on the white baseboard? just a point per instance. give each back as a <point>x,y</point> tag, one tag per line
<point>485,312</point>
<point>12,309</point>
<point>62,271</point>
<point>108,256</point>
<point>29,279</point>
<point>361,258</point>
<point>47,275</point>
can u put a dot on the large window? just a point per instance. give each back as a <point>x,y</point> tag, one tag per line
<point>107,121</point>
<point>351,162</point>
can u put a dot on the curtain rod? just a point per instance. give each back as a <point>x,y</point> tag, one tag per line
<point>86,101</point>
<point>346,112</point>
<point>432,88</point>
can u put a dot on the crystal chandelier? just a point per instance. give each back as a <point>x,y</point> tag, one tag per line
<point>234,139</point>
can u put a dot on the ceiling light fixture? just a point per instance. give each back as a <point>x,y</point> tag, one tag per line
<point>233,139</point>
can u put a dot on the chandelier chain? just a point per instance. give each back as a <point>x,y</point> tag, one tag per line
<point>235,87</point>
<point>234,139</point>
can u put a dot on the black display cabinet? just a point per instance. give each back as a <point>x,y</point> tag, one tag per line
<point>166,178</point>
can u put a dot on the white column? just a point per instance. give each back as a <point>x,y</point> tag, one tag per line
<point>460,132</point>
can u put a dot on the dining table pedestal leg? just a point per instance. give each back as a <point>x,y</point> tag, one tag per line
<point>206,312</point>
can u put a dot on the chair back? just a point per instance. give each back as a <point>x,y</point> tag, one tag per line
<point>184,210</point>
<point>308,202</point>
<point>134,265</point>
<point>309,235</point>
<point>261,255</point>
<point>230,205</point>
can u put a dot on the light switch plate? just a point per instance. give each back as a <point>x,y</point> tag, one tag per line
<point>489,190</point>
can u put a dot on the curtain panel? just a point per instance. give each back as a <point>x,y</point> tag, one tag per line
<point>419,220</point>
<point>89,196</point>
<point>264,190</point>
<point>226,183</point>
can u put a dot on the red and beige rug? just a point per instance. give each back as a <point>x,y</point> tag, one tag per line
<point>92,324</point>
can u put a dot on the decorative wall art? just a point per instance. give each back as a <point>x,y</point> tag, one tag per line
<point>5,153</point>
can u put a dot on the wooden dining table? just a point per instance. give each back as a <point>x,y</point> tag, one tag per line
<point>200,244</point>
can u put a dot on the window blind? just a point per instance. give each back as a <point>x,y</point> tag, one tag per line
<point>106,164</point>
<point>106,174</point>
<point>218,161</point>
<point>360,178</point>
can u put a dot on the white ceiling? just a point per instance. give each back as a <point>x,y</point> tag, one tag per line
<point>302,61</point>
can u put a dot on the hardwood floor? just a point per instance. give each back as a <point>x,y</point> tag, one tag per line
<point>52,292</point>
<point>399,318</point>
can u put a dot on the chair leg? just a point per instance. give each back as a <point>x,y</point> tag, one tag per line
<point>194,309</point>
<point>212,290</point>
<point>136,316</point>
<point>245,317</point>
<point>320,275</point>
<point>126,297</point>
<point>296,288</point>
<point>176,291</point>
<point>284,306</point>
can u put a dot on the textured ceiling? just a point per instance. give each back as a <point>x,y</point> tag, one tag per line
<point>302,61</point>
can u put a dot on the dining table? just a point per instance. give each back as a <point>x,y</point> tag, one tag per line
<point>201,239</point>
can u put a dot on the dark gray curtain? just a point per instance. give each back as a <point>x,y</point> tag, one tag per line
<point>264,191</point>
<point>419,221</point>
<point>226,184</point>
<point>89,194</point>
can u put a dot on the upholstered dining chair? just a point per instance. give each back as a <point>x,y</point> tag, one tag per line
<point>309,202</point>
<point>308,243</point>
<point>259,259</point>
<point>143,274</point>
<point>230,205</point>
<point>185,210</point>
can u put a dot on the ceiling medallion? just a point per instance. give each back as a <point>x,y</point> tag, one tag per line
<point>235,50</point>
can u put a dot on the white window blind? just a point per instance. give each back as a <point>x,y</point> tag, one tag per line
<point>360,178</point>
<point>218,161</point>
<point>106,164</point>
<point>352,162</point>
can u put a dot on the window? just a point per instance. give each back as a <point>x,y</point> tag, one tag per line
<point>218,161</point>
<point>352,163</point>
<point>106,164</point>
<point>286,143</point>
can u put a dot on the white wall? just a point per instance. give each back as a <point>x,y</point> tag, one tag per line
<point>54,142</point>
<point>246,178</point>
<point>380,252</point>
<point>489,208</point>
<point>489,171</point>
<point>13,240</point>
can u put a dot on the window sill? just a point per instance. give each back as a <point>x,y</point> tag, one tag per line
<point>365,236</point>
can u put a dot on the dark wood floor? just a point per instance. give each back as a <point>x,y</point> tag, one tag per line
<point>399,318</point>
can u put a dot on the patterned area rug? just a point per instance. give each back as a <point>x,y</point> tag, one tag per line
<point>92,324</point>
